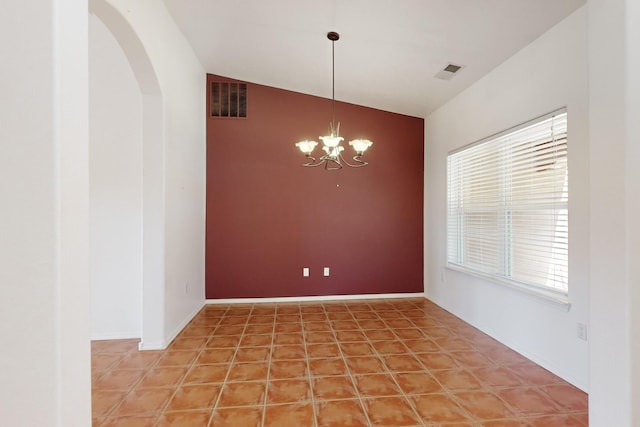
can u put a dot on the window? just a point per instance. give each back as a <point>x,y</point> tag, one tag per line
<point>507,206</point>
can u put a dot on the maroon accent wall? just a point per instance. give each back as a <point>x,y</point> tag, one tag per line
<point>268,217</point>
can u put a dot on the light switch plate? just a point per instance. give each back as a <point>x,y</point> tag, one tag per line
<point>326,272</point>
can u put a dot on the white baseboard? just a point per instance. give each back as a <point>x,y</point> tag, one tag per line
<point>150,346</point>
<point>519,348</point>
<point>313,298</point>
<point>116,336</point>
<point>535,358</point>
<point>161,345</point>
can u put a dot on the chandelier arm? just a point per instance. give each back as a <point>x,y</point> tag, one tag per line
<point>329,161</point>
<point>357,159</point>
<point>312,163</point>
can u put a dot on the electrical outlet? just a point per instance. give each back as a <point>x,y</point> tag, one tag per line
<point>186,288</point>
<point>305,272</point>
<point>582,331</point>
<point>326,272</point>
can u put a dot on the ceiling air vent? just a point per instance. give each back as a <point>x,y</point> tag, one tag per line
<point>448,72</point>
<point>228,99</point>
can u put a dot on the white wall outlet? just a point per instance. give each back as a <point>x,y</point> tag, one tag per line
<point>186,288</point>
<point>305,272</point>
<point>582,331</point>
<point>326,272</point>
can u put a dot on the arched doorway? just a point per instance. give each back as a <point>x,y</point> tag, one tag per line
<point>144,199</point>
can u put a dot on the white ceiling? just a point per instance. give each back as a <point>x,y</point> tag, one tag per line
<point>388,52</point>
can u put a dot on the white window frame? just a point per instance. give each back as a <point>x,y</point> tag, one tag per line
<point>509,223</point>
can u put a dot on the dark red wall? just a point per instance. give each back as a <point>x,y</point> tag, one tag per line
<point>268,217</point>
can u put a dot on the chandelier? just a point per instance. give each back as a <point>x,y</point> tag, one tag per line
<point>333,159</point>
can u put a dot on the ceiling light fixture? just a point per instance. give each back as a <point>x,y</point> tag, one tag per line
<point>333,159</point>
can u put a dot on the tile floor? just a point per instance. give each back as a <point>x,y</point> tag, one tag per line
<point>384,363</point>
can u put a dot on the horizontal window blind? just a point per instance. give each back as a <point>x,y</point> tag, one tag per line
<point>507,206</point>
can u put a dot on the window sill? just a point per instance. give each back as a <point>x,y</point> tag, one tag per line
<point>559,300</point>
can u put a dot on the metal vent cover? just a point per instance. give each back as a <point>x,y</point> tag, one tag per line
<point>448,71</point>
<point>228,99</point>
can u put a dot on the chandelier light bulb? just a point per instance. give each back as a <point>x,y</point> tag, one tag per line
<point>331,140</point>
<point>306,146</point>
<point>360,145</point>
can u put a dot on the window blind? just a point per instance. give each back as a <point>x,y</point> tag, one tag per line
<point>507,205</point>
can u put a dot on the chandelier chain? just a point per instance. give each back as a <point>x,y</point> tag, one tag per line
<point>333,85</point>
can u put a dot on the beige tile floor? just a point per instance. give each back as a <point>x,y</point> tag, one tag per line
<point>400,362</point>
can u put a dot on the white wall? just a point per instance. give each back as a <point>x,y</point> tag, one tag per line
<point>614,68</point>
<point>632,159</point>
<point>115,191</point>
<point>548,74</point>
<point>174,166</point>
<point>44,296</point>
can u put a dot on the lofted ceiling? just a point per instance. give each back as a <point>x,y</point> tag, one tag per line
<point>388,52</point>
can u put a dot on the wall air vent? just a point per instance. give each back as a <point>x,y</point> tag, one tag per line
<point>448,72</point>
<point>228,99</point>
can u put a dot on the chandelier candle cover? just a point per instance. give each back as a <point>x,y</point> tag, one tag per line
<point>333,159</point>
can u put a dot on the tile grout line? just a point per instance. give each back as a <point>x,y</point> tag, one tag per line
<point>344,360</point>
<point>393,378</point>
<point>309,376</point>
<point>193,362</point>
<point>268,380</point>
<point>447,390</point>
<point>132,387</point>
<point>383,360</point>
<point>126,393</point>
<point>190,366</point>
<point>176,385</point>
<point>410,352</point>
<point>231,362</point>
<point>124,397</point>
